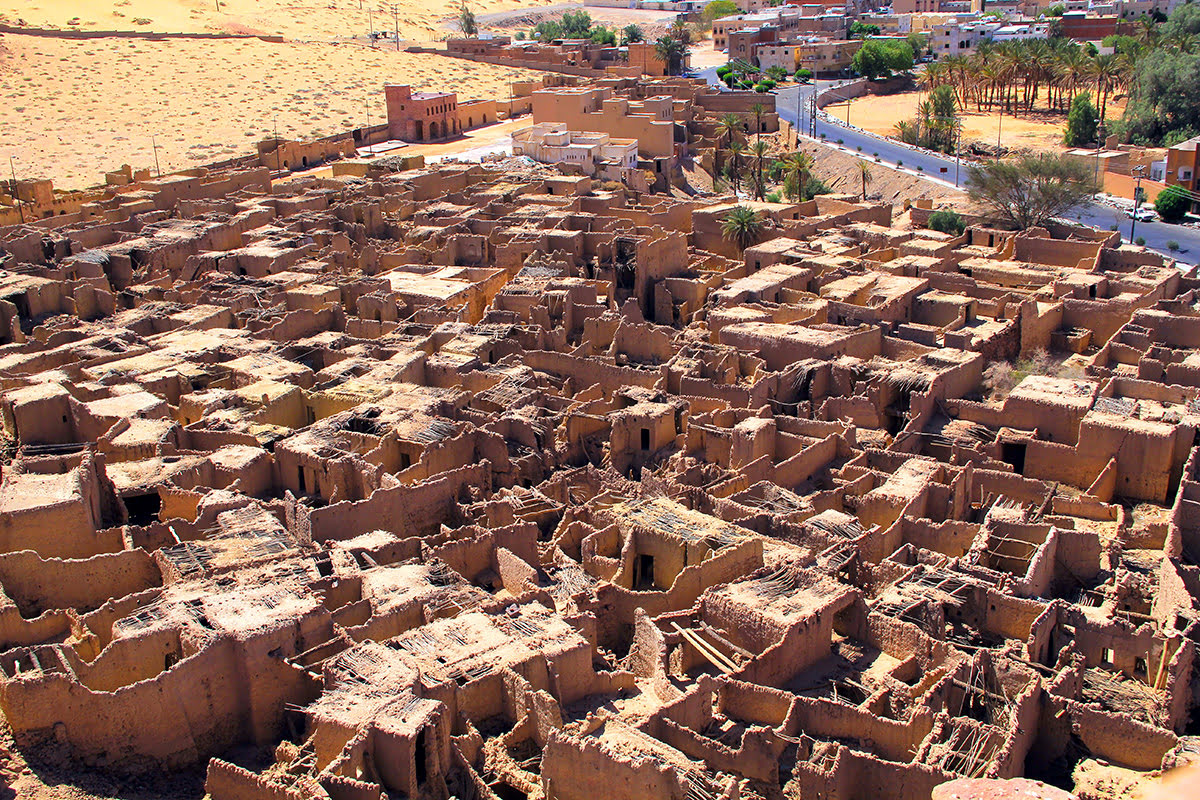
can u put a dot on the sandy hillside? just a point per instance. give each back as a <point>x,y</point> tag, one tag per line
<point>1040,131</point>
<point>320,20</point>
<point>71,110</point>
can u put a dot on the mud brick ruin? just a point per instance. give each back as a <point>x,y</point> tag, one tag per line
<point>487,481</point>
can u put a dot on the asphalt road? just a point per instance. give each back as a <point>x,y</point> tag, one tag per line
<point>944,168</point>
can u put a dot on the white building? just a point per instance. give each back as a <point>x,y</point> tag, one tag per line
<point>959,38</point>
<point>1023,31</point>
<point>552,143</point>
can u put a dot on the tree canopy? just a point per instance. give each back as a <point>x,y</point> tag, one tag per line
<point>1163,65</point>
<point>1030,189</point>
<point>1082,121</point>
<point>671,51</point>
<point>466,20</point>
<point>719,8</point>
<point>861,30</point>
<point>879,59</point>
<point>742,225</point>
<point>1172,204</point>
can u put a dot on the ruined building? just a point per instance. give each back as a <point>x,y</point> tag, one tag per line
<point>485,481</point>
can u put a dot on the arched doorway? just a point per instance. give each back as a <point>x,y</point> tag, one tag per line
<point>433,130</point>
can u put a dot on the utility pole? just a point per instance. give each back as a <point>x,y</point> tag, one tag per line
<point>1099,146</point>
<point>367,132</point>
<point>278,147</point>
<point>370,26</point>
<point>396,23</point>
<point>1137,195</point>
<point>799,97</point>
<point>154,147</point>
<point>957,151</point>
<point>16,199</point>
<point>999,125</point>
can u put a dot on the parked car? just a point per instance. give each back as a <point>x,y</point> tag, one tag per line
<point>1143,214</point>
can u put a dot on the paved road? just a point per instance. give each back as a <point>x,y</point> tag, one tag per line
<point>1156,234</point>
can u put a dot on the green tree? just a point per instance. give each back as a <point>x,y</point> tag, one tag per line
<point>1082,121</point>
<point>758,109</point>
<point>547,31</point>
<point>861,30</point>
<point>671,51</point>
<point>602,35</point>
<point>879,59</point>
<point>864,172</point>
<point>631,34</point>
<point>466,20</point>
<point>804,75</point>
<point>760,150</point>
<point>919,43</point>
<point>813,187</point>
<point>576,24</point>
<point>728,127</point>
<point>1030,189</point>
<point>1172,204</point>
<point>742,225</point>
<point>736,150</point>
<point>1056,10</point>
<point>795,169</point>
<point>717,9</point>
<point>1164,97</point>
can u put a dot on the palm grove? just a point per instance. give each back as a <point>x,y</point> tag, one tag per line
<point>1156,68</point>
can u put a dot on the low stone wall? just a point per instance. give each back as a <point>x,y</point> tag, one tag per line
<point>68,33</point>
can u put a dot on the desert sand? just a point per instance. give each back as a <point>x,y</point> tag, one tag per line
<point>322,20</point>
<point>72,110</point>
<point>1041,131</point>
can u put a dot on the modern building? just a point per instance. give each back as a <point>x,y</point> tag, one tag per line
<point>554,143</point>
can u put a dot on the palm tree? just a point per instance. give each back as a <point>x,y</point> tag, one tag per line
<point>1108,71</point>
<point>670,51</point>
<point>760,149</point>
<point>758,109</point>
<point>742,225</point>
<point>736,149</point>
<point>728,126</point>
<point>795,167</point>
<point>1147,32</point>
<point>679,30</point>
<point>865,172</point>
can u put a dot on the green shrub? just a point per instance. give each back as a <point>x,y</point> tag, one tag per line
<point>947,222</point>
<point>1140,241</point>
<point>1173,245</point>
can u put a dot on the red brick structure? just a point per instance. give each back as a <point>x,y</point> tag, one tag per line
<point>421,116</point>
